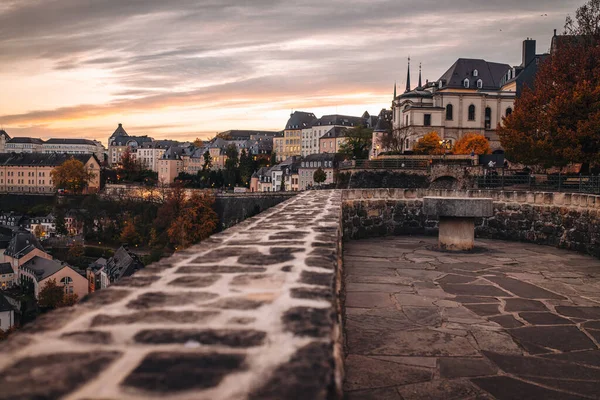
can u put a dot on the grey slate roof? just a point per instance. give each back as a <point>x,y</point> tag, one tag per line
<point>123,263</point>
<point>40,159</point>
<point>119,132</point>
<point>343,120</point>
<point>43,268</point>
<point>384,121</point>
<point>123,140</point>
<point>335,132</point>
<point>490,73</point>
<point>241,134</point>
<point>22,243</point>
<point>71,141</point>
<point>300,120</point>
<point>159,144</point>
<point>6,268</point>
<point>26,140</point>
<point>5,305</point>
<point>3,133</point>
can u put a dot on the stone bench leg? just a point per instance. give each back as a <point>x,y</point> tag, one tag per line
<point>457,233</point>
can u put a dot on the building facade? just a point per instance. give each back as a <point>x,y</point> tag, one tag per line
<point>39,271</point>
<point>74,146</point>
<point>298,121</point>
<point>327,162</point>
<point>24,145</point>
<point>30,173</point>
<point>119,141</point>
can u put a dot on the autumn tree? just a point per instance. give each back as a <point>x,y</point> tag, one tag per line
<point>71,175</point>
<point>53,296</point>
<point>357,143</point>
<point>38,231</point>
<point>393,140</point>
<point>429,144</point>
<point>472,143</point>
<point>77,250</point>
<point>556,122</point>
<point>198,142</point>
<point>129,234</point>
<point>195,221</point>
<point>319,176</point>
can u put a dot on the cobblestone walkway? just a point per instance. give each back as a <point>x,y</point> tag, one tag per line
<point>513,321</point>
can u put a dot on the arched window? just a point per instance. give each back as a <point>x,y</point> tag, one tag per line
<point>466,83</point>
<point>471,112</point>
<point>449,112</point>
<point>475,73</point>
<point>488,118</point>
<point>66,280</point>
<point>479,84</point>
<point>508,111</point>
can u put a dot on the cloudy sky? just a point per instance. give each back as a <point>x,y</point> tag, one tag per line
<point>185,68</point>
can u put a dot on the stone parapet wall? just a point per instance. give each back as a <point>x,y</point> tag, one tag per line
<point>251,313</point>
<point>565,220</point>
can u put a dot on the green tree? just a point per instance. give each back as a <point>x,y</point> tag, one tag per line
<point>61,227</point>
<point>231,165</point>
<point>273,159</point>
<point>207,165</point>
<point>319,176</point>
<point>357,143</point>
<point>71,175</point>
<point>246,167</point>
<point>429,144</point>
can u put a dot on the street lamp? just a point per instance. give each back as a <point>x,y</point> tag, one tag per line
<point>446,145</point>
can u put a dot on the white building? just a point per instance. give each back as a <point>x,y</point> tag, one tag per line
<point>474,95</point>
<point>150,153</point>
<point>74,146</point>
<point>322,126</point>
<point>119,141</point>
<point>23,145</point>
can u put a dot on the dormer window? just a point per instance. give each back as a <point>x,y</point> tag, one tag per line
<point>479,84</point>
<point>466,83</point>
<point>475,73</point>
<point>441,83</point>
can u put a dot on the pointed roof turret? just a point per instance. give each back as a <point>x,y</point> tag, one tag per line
<point>119,132</point>
<point>395,95</point>
<point>420,82</point>
<point>408,77</point>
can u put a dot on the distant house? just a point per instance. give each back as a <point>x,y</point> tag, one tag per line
<point>124,263</point>
<point>38,271</point>
<point>7,276</point>
<point>7,314</point>
<point>327,162</point>
<point>119,141</point>
<point>23,246</point>
<point>97,275</point>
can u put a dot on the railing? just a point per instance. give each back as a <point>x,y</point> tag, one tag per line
<point>549,183</point>
<point>385,164</point>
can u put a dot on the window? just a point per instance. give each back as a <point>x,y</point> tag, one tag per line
<point>449,112</point>
<point>427,120</point>
<point>406,120</point>
<point>471,112</point>
<point>466,83</point>
<point>508,111</point>
<point>488,118</point>
<point>475,73</point>
<point>479,84</point>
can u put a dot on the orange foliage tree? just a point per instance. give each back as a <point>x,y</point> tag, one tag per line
<point>193,220</point>
<point>71,175</point>
<point>557,122</point>
<point>429,144</point>
<point>472,142</point>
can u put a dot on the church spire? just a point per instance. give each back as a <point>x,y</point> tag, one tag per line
<point>394,90</point>
<point>408,77</point>
<point>420,84</point>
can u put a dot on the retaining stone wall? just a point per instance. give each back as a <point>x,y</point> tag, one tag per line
<point>234,208</point>
<point>251,313</point>
<point>565,220</point>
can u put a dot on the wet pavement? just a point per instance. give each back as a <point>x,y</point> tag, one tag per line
<point>510,321</point>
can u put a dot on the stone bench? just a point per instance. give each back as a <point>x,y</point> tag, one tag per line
<point>457,219</point>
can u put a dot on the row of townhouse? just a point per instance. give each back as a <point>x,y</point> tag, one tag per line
<point>296,173</point>
<point>42,226</point>
<point>31,172</point>
<point>55,145</point>
<point>305,134</point>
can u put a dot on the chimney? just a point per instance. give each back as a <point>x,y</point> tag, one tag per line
<point>555,32</point>
<point>529,48</point>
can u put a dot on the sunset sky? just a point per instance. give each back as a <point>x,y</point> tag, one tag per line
<point>180,69</point>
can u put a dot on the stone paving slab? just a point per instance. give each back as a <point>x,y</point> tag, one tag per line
<point>512,321</point>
